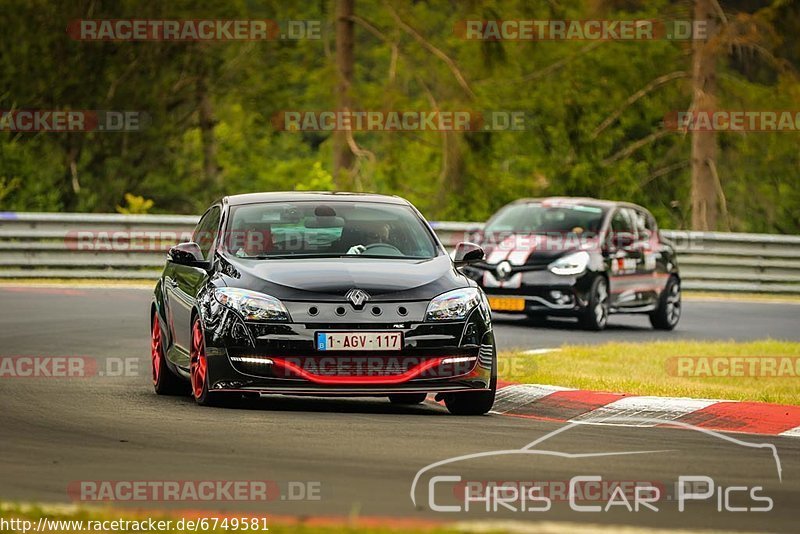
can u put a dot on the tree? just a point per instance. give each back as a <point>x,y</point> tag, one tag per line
<point>343,158</point>
<point>705,185</point>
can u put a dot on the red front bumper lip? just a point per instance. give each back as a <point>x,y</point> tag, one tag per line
<point>410,374</point>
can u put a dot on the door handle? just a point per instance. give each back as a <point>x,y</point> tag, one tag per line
<point>172,283</point>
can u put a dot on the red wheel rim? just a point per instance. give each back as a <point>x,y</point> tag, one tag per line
<point>198,364</point>
<point>155,349</point>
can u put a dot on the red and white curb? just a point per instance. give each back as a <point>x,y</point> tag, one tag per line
<point>553,403</point>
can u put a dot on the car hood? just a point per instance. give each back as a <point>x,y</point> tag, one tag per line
<point>535,249</point>
<point>329,279</point>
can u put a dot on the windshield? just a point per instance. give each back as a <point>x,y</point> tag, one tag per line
<point>537,218</point>
<point>327,229</point>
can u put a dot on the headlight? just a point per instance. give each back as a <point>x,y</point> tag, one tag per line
<point>570,264</point>
<point>453,305</point>
<point>252,306</point>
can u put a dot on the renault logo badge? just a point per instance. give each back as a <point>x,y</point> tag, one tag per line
<point>357,297</point>
<point>503,270</point>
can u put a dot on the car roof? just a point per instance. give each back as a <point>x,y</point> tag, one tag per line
<point>583,201</point>
<point>322,196</point>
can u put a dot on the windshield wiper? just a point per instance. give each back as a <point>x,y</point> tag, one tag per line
<point>287,256</point>
<point>328,256</point>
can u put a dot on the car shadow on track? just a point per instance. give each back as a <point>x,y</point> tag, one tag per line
<point>565,324</point>
<point>349,405</point>
<point>284,403</point>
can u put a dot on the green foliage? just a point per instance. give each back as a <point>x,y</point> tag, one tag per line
<point>566,89</point>
<point>318,180</point>
<point>135,205</point>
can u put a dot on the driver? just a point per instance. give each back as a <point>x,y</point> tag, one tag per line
<point>376,233</point>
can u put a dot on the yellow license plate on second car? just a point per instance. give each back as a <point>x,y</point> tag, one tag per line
<point>507,303</point>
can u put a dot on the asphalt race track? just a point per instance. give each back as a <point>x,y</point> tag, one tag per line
<point>701,320</point>
<point>362,454</point>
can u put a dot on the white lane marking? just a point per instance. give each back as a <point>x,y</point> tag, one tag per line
<point>791,433</point>
<point>514,397</point>
<point>628,411</point>
<point>651,408</point>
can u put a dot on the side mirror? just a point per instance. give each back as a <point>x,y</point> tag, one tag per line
<point>467,253</point>
<point>187,254</point>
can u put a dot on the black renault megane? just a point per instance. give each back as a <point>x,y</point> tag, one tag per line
<point>322,294</point>
<point>579,257</point>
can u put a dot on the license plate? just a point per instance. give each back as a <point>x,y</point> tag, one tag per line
<point>359,341</point>
<point>507,304</point>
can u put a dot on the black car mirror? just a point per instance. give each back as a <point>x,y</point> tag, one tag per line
<point>467,253</point>
<point>187,254</point>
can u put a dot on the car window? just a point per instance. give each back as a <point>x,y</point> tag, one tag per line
<point>621,222</point>
<point>645,225</point>
<point>206,231</point>
<point>333,228</point>
<point>539,217</point>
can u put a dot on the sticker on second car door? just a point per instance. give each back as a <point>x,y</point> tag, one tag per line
<point>623,265</point>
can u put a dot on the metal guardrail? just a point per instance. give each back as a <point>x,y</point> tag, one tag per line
<point>113,246</point>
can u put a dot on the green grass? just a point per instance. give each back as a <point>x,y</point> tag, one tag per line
<point>645,369</point>
<point>742,297</point>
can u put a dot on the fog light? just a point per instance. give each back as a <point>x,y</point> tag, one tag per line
<point>250,359</point>
<point>460,359</point>
<point>560,297</point>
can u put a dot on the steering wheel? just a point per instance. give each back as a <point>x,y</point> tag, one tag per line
<point>383,249</point>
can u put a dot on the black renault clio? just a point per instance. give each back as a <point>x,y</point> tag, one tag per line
<point>322,294</point>
<point>579,257</point>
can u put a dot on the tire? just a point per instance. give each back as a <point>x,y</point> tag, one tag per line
<point>595,317</point>
<point>165,382</point>
<point>473,402</point>
<point>198,370</point>
<point>408,399</point>
<point>668,313</point>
